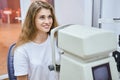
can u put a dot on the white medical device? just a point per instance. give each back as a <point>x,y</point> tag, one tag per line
<point>86,53</point>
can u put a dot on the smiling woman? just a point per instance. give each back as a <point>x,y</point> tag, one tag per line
<point>33,52</point>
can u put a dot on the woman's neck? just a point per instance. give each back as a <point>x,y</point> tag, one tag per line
<point>40,38</point>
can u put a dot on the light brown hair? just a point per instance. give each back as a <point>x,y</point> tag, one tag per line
<point>29,30</point>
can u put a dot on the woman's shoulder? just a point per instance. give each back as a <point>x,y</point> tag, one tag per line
<point>23,46</point>
<point>22,49</point>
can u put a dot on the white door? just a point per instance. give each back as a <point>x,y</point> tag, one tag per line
<point>107,15</point>
<point>110,14</point>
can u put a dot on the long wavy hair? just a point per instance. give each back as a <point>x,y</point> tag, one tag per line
<point>29,30</point>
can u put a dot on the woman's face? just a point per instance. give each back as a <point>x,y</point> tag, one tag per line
<point>44,20</point>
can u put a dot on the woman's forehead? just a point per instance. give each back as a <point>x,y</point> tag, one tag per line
<point>44,11</point>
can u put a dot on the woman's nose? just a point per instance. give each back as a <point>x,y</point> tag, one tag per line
<point>47,20</point>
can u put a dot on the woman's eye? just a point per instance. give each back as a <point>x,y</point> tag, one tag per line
<point>45,17</point>
<point>50,16</point>
<point>42,17</point>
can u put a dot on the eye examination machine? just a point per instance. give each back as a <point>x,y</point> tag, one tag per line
<point>86,53</point>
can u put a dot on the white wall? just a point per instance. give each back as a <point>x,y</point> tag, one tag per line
<point>67,11</point>
<point>80,12</point>
<point>74,11</point>
<point>24,4</point>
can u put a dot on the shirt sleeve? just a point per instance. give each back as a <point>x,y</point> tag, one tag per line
<point>20,62</point>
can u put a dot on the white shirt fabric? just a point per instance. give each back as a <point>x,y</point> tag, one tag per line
<point>33,59</point>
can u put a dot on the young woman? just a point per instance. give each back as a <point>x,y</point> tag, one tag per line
<point>33,53</point>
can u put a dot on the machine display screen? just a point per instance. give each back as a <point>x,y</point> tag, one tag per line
<point>101,72</point>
